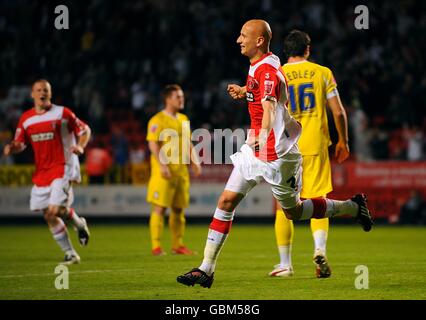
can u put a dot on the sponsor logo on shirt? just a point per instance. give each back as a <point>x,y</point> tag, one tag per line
<point>42,136</point>
<point>249,96</point>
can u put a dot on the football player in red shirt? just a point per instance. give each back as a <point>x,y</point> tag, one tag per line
<point>271,153</point>
<point>52,130</point>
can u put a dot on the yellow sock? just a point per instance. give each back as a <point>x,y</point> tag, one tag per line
<point>177,228</point>
<point>319,228</point>
<point>283,229</point>
<point>156,226</point>
<point>319,224</point>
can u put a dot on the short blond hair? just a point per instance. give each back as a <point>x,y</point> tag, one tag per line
<point>38,81</point>
<point>167,91</point>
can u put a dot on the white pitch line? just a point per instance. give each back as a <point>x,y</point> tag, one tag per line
<point>134,270</point>
<point>71,272</point>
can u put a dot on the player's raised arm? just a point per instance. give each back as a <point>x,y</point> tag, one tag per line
<point>268,119</point>
<point>237,92</point>
<point>341,121</point>
<point>19,142</point>
<point>83,140</point>
<point>80,129</point>
<point>268,87</point>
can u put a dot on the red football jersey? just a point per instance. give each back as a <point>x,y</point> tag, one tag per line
<point>51,135</point>
<point>265,81</point>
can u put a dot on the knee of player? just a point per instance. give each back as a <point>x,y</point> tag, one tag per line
<point>288,214</point>
<point>51,212</point>
<point>225,202</point>
<point>177,211</point>
<point>159,210</point>
<point>62,211</point>
<point>291,213</point>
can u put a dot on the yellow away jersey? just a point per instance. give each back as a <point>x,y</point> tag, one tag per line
<point>174,135</point>
<point>309,87</point>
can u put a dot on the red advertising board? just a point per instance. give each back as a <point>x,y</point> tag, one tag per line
<point>388,184</point>
<point>390,174</point>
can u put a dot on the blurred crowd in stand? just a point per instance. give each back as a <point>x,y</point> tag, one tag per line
<point>116,56</point>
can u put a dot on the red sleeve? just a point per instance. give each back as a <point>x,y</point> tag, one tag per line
<point>20,133</point>
<point>269,83</point>
<point>74,124</point>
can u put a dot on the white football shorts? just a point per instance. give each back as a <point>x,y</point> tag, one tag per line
<point>59,193</point>
<point>284,175</point>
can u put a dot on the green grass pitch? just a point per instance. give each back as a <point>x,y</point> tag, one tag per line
<point>117,264</point>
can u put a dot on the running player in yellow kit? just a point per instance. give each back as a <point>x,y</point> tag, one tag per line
<point>311,87</point>
<point>169,139</point>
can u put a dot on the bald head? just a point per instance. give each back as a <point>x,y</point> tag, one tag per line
<point>254,39</point>
<point>261,29</point>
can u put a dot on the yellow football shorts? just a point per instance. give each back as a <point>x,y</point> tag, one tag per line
<point>316,176</point>
<point>172,193</point>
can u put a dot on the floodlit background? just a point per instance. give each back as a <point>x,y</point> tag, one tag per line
<point>109,68</point>
<point>116,56</point>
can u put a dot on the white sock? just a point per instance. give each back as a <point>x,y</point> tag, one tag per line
<point>216,239</point>
<point>60,234</point>
<point>320,239</point>
<point>212,250</point>
<point>285,255</point>
<point>339,208</point>
<point>308,209</point>
<point>333,208</point>
<point>74,219</point>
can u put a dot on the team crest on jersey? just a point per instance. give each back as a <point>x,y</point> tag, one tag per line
<point>250,84</point>
<point>269,85</point>
<point>154,128</point>
<point>53,124</point>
